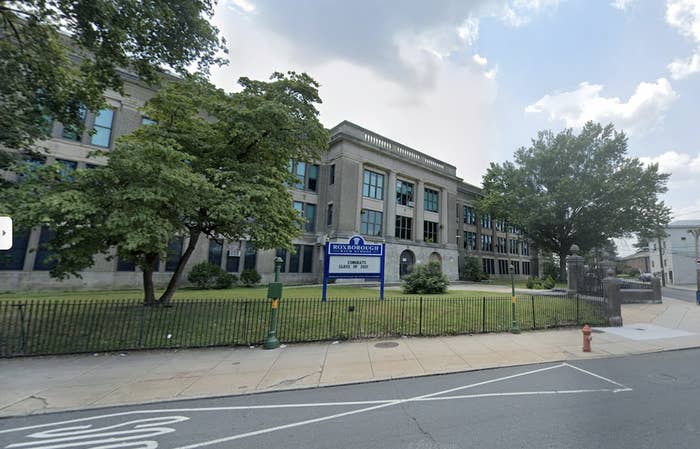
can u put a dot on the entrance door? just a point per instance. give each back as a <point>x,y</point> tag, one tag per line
<point>406,263</point>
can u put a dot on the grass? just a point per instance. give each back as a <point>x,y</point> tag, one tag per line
<point>521,283</point>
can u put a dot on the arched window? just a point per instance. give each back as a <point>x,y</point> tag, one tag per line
<point>406,262</point>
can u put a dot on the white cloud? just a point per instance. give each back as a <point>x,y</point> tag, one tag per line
<point>480,60</point>
<point>672,161</point>
<point>468,31</point>
<point>517,13</point>
<point>622,5</point>
<point>242,5</point>
<point>684,15</point>
<point>642,111</point>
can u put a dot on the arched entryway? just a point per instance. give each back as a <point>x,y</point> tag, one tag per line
<point>406,262</point>
<point>435,257</point>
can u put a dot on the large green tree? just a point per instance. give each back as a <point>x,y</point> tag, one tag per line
<point>571,188</point>
<point>59,56</point>
<point>213,164</point>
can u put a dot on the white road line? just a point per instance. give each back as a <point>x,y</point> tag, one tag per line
<point>595,375</point>
<point>519,393</point>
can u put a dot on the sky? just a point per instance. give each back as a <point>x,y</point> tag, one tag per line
<point>470,82</point>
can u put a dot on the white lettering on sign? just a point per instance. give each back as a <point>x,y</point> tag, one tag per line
<point>354,265</point>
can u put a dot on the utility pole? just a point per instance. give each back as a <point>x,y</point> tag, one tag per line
<point>661,262</point>
<point>696,233</point>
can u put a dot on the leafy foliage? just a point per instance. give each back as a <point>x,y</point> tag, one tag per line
<point>472,270</point>
<point>426,279</point>
<point>568,188</point>
<point>250,277</point>
<point>207,275</point>
<point>534,283</point>
<point>549,283</point>
<point>59,55</point>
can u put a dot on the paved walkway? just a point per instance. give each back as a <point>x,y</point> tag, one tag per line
<point>43,384</point>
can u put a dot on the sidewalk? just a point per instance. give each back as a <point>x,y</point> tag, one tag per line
<point>44,384</point>
<point>689,287</point>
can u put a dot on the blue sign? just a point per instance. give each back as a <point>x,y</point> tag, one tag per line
<point>354,259</point>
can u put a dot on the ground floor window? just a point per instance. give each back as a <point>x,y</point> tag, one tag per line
<point>124,264</point>
<point>404,228</point>
<point>516,267</point>
<point>174,254</point>
<point>430,231</point>
<point>526,268</point>
<point>42,262</point>
<point>308,261</point>
<point>216,249</point>
<point>488,266</point>
<point>502,266</point>
<point>406,262</point>
<point>13,259</point>
<point>251,256</point>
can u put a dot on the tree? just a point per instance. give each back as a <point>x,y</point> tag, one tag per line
<point>214,164</point>
<point>58,56</point>
<point>569,188</point>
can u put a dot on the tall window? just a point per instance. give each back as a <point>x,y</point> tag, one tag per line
<point>216,249</point>
<point>486,221</point>
<point>525,247</point>
<point>502,266</point>
<point>470,240</point>
<point>308,261</point>
<point>501,244</point>
<point>103,128</point>
<point>404,193</point>
<point>42,262</point>
<point>174,254</point>
<point>251,256</point>
<point>469,215</point>
<point>371,222</point>
<point>404,228</point>
<point>312,178</point>
<point>71,132</point>
<point>294,259</point>
<point>233,258</point>
<point>514,246</point>
<point>431,200</point>
<point>430,232</point>
<point>486,243</point>
<point>500,225</point>
<point>516,267</point>
<point>373,185</point>
<point>488,266</point>
<point>310,215</point>
<point>331,179</point>
<point>329,215</point>
<point>13,259</point>
<point>299,170</point>
<point>526,268</point>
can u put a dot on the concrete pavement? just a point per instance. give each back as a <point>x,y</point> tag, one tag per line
<point>45,384</point>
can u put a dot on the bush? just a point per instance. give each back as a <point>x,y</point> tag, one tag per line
<point>549,283</point>
<point>426,278</point>
<point>534,283</point>
<point>250,277</point>
<point>472,270</point>
<point>206,275</point>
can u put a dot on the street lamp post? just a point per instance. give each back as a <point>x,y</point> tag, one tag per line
<point>515,325</point>
<point>274,292</point>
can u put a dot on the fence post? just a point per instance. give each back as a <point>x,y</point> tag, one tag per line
<point>330,322</point>
<point>578,315</point>
<point>23,337</point>
<point>533,312</point>
<point>141,325</point>
<point>420,317</point>
<point>483,315</point>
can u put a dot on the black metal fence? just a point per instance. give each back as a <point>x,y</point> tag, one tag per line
<point>631,285</point>
<point>42,327</point>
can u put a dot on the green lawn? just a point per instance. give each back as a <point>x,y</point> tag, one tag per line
<point>521,283</point>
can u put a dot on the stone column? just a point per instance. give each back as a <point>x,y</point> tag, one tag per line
<point>656,288</point>
<point>604,266</point>
<point>418,213</point>
<point>574,269</point>
<point>444,225</point>
<point>613,299</point>
<point>390,206</point>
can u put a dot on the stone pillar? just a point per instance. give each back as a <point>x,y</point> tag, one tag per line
<point>390,206</point>
<point>613,299</point>
<point>656,287</point>
<point>574,269</point>
<point>420,195</point>
<point>604,266</point>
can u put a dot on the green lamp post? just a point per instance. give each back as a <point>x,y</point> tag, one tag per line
<point>515,325</point>
<point>274,292</point>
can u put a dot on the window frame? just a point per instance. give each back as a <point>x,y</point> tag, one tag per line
<point>372,181</point>
<point>431,198</point>
<point>376,225</point>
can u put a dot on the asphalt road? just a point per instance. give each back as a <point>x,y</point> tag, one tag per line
<point>649,401</point>
<point>684,295</point>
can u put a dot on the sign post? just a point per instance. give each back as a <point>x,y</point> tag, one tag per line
<point>354,259</point>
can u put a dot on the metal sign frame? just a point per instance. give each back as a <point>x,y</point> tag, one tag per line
<point>355,246</point>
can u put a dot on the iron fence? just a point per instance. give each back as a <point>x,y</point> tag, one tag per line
<point>631,285</point>
<point>42,327</point>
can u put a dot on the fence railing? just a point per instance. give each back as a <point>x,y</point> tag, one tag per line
<point>631,285</point>
<point>42,327</point>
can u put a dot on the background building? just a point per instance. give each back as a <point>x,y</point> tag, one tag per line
<point>638,261</point>
<point>365,184</point>
<point>677,252</point>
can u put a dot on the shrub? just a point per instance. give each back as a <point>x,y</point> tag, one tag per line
<point>250,277</point>
<point>206,275</point>
<point>472,270</point>
<point>426,278</point>
<point>534,283</point>
<point>549,283</point>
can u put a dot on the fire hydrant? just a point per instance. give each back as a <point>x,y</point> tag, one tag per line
<point>587,338</point>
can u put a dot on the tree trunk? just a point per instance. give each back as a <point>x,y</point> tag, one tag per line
<point>149,295</point>
<point>175,278</point>
<point>562,266</point>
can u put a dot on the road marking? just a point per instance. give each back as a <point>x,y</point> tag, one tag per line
<point>595,375</point>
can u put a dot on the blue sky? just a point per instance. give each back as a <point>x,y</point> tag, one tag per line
<point>471,81</point>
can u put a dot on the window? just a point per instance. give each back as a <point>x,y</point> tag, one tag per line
<point>329,215</point>
<point>312,178</point>
<point>404,193</point>
<point>233,258</point>
<point>299,170</point>
<point>652,264</point>
<point>91,166</point>
<point>216,249</point>
<point>430,232</point>
<point>683,238</point>
<point>373,185</point>
<point>525,247</point>
<point>13,259</point>
<point>42,262</point>
<point>486,243</point>
<point>174,254</point>
<point>331,180</point>
<point>67,167</point>
<point>526,268</point>
<point>431,200</point>
<point>71,132</point>
<point>103,128</point>
<point>125,264</point>
<point>486,221</point>
<point>310,214</point>
<point>469,215</point>
<point>147,121</point>
<point>294,259</point>
<point>251,256</point>
<point>404,228</point>
<point>516,267</point>
<point>488,266</point>
<point>470,240</point>
<point>308,260</point>
<point>282,254</point>
<point>500,225</point>
<point>501,245</point>
<point>502,266</point>
<point>371,222</point>
<point>514,246</point>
